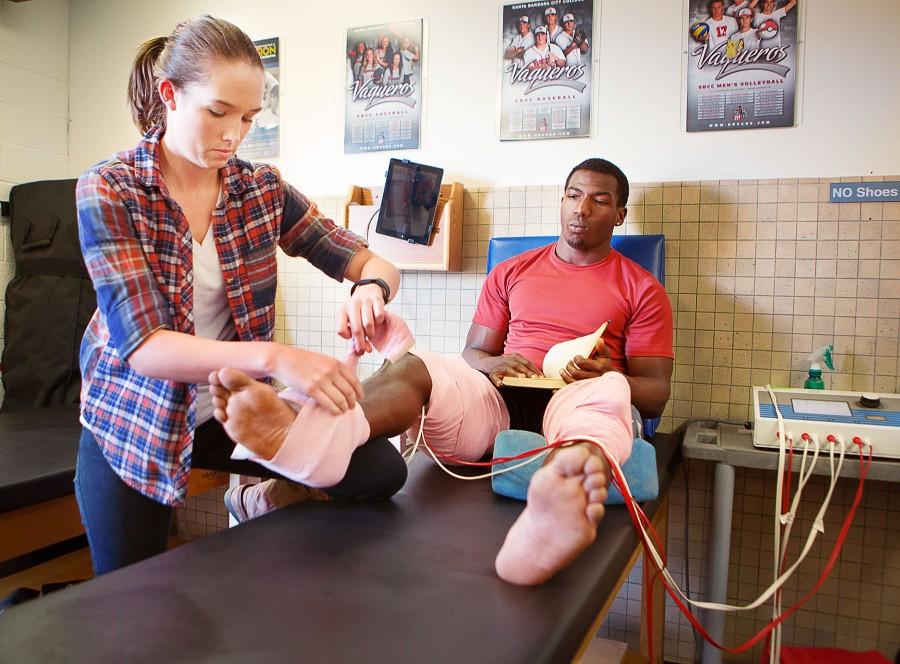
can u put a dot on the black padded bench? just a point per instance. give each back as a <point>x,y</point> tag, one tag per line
<point>37,466</point>
<point>409,580</point>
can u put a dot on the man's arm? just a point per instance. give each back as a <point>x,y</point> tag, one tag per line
<point>484,352</point>
<point>649,378</point>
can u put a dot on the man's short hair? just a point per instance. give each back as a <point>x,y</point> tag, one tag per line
<point>598,165</point>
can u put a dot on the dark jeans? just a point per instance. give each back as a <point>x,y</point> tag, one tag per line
<point>123,526</point>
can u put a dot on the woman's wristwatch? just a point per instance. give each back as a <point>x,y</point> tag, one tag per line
<point>385,289</point>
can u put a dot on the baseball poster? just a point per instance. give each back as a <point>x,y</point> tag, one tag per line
<point>383,91</point>
<point>546,50</point>
<point>742,64</point>
<point>263,141</point>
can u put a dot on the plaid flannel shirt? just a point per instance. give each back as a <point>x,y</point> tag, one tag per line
<point>138,250</point>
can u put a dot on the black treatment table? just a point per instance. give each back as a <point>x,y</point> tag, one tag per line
<point>37,466</point>
<point>410,580</point>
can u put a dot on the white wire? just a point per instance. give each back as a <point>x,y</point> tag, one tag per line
<point>657,558</point>
<point>420,437</point>
<point>776,549</point>
<point>788,521</point>
<point>779,580</point>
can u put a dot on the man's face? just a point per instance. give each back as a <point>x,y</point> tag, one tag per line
<point>551,19</point>
<point>590,210</point>
<point>569,27</point>
<point>540,38</point>
<point>744,22</point>
<point>717,9</point>
<point>523,27</point>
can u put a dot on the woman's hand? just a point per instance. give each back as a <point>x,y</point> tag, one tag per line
<point>327,380</point>
<point>360,315</point>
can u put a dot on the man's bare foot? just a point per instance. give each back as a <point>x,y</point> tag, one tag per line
<point>565,504</point>
<point>250,411</point>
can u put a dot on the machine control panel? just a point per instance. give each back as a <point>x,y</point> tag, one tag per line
<point>875,417</point>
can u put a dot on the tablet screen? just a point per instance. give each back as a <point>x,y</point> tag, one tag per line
<point>410,198</point>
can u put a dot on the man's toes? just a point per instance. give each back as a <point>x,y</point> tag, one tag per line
<point>595,512</point>
<point>595,481</point>
<point>233,379</point>
<point>594,464</point>
<point>218,392</point>
<point>570,461</point>
<point>597,495</point>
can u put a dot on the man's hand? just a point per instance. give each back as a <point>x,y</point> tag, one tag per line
<point>511,365</point>
<point>582,368</point>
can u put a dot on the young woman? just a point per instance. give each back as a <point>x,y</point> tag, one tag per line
<point>383,51</point>
<point>393,75</point>
<point>369,67</point>
<point>179,236</point>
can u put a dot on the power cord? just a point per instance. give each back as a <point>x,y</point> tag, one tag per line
<point>369,223</point>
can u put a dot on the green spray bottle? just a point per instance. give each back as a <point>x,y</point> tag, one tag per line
<point>816,360</point>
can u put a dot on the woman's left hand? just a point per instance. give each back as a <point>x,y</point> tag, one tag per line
<point>360,314</point>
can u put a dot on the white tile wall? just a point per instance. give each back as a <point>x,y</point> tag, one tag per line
<point>34,104</point>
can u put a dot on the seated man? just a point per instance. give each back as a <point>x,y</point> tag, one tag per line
<point>528,304</point>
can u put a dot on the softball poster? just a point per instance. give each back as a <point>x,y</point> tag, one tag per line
<point>383,87</point>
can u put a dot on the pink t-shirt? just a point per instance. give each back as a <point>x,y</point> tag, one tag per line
<point>540,300</point>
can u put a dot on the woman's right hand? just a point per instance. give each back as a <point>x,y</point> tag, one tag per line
<point>327,380</point>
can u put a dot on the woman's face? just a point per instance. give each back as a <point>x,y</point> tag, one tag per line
<point>384,42</point>
<point>207,120</point>
<point>361,48</point>
<point>370,56</point>
<point>396,59</point>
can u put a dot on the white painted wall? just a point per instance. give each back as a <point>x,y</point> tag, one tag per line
<point>34,92</point>
<point>847,123</point>
<point>34,105</point>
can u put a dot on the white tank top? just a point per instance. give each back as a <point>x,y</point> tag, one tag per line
<point>212,315</point>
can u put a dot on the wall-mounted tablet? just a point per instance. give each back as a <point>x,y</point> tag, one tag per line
<point>409,201</point>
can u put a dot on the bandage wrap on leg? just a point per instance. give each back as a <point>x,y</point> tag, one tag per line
<point>318,446</point>
<point>317,449</point>
<point>598,408</point>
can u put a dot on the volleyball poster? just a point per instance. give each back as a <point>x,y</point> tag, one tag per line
<point>545,87</point>
<point>742,64</point>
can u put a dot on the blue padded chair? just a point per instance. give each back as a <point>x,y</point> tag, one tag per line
<point>648,251</point>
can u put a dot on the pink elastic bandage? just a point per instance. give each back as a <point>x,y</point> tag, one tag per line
<point>318,446</point>
<point>596,408</point>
